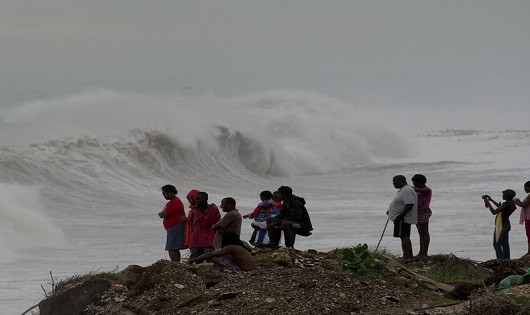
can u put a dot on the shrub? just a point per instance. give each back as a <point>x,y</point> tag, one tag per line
<point>357,259</point>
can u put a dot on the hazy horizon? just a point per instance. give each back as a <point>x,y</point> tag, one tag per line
<point>103,102</point>
<point>439,60</point>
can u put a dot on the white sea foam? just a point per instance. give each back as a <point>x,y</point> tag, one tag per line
<point>275,132</point>
<point>24,225</point>
<point>81,175</point>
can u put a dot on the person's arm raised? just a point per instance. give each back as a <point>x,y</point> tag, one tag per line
<point>423,190</point>
<point>496,210</point>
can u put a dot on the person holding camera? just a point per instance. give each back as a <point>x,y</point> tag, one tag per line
<point>502,214</point>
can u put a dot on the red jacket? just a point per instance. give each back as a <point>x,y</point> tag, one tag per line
<point>201,226</point>
<point>175,209</point>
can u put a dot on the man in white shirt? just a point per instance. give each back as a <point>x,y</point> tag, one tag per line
<point>403,210</point>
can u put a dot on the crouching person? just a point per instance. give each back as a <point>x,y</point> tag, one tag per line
<point>293,219</point>
<point>233,255</point>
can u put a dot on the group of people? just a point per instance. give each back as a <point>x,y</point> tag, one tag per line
<point>411,205</point>
<point>210,237</point>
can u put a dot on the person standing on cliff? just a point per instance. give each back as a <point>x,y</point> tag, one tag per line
<point>191,200</point>
<point>174,219</point>
<point>424,213</point>
<point>201,223</point>
<point>525,215</point>
<point>403,210</point>
<point>502,213</point>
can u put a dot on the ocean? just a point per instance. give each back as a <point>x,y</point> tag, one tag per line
<point>80,176</point>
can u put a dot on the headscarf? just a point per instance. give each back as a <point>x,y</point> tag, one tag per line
<point>192,194</point>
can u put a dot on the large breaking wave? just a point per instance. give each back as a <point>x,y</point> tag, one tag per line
<point>103,151</point>
<point>108,134</point>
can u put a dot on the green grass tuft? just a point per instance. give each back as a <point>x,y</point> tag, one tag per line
<point>450,269</point>
<point>436,299</point>
<point>113,276</point>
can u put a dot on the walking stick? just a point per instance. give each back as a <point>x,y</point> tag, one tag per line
<point>384,229</point>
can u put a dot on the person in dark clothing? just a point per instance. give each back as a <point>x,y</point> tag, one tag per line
<point>502,214</point>
<point>293,219</point>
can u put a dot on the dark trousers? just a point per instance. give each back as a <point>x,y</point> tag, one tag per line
<point>502,247</point>
<point>276,234</point>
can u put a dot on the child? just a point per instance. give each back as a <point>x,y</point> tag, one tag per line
<point>266,208</point>
<point>502,214</point>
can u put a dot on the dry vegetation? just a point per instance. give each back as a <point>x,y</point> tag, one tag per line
<point>294,282</point>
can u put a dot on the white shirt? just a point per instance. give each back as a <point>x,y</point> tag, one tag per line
<point>405,196</point>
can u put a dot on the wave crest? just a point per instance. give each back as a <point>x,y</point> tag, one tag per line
<point>275,133</point>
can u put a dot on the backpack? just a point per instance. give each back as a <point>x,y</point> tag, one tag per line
<point>305,220</point>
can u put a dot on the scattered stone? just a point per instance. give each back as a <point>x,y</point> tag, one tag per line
<point>282,258</point>
<point>215,303</point>
<point>330,264</point>
<point>131,274</point>
<point>210,282</point>
<point>227,296</point>
<point>306,285</point>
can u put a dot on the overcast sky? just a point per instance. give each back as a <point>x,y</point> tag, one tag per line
<point>371,53</point>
